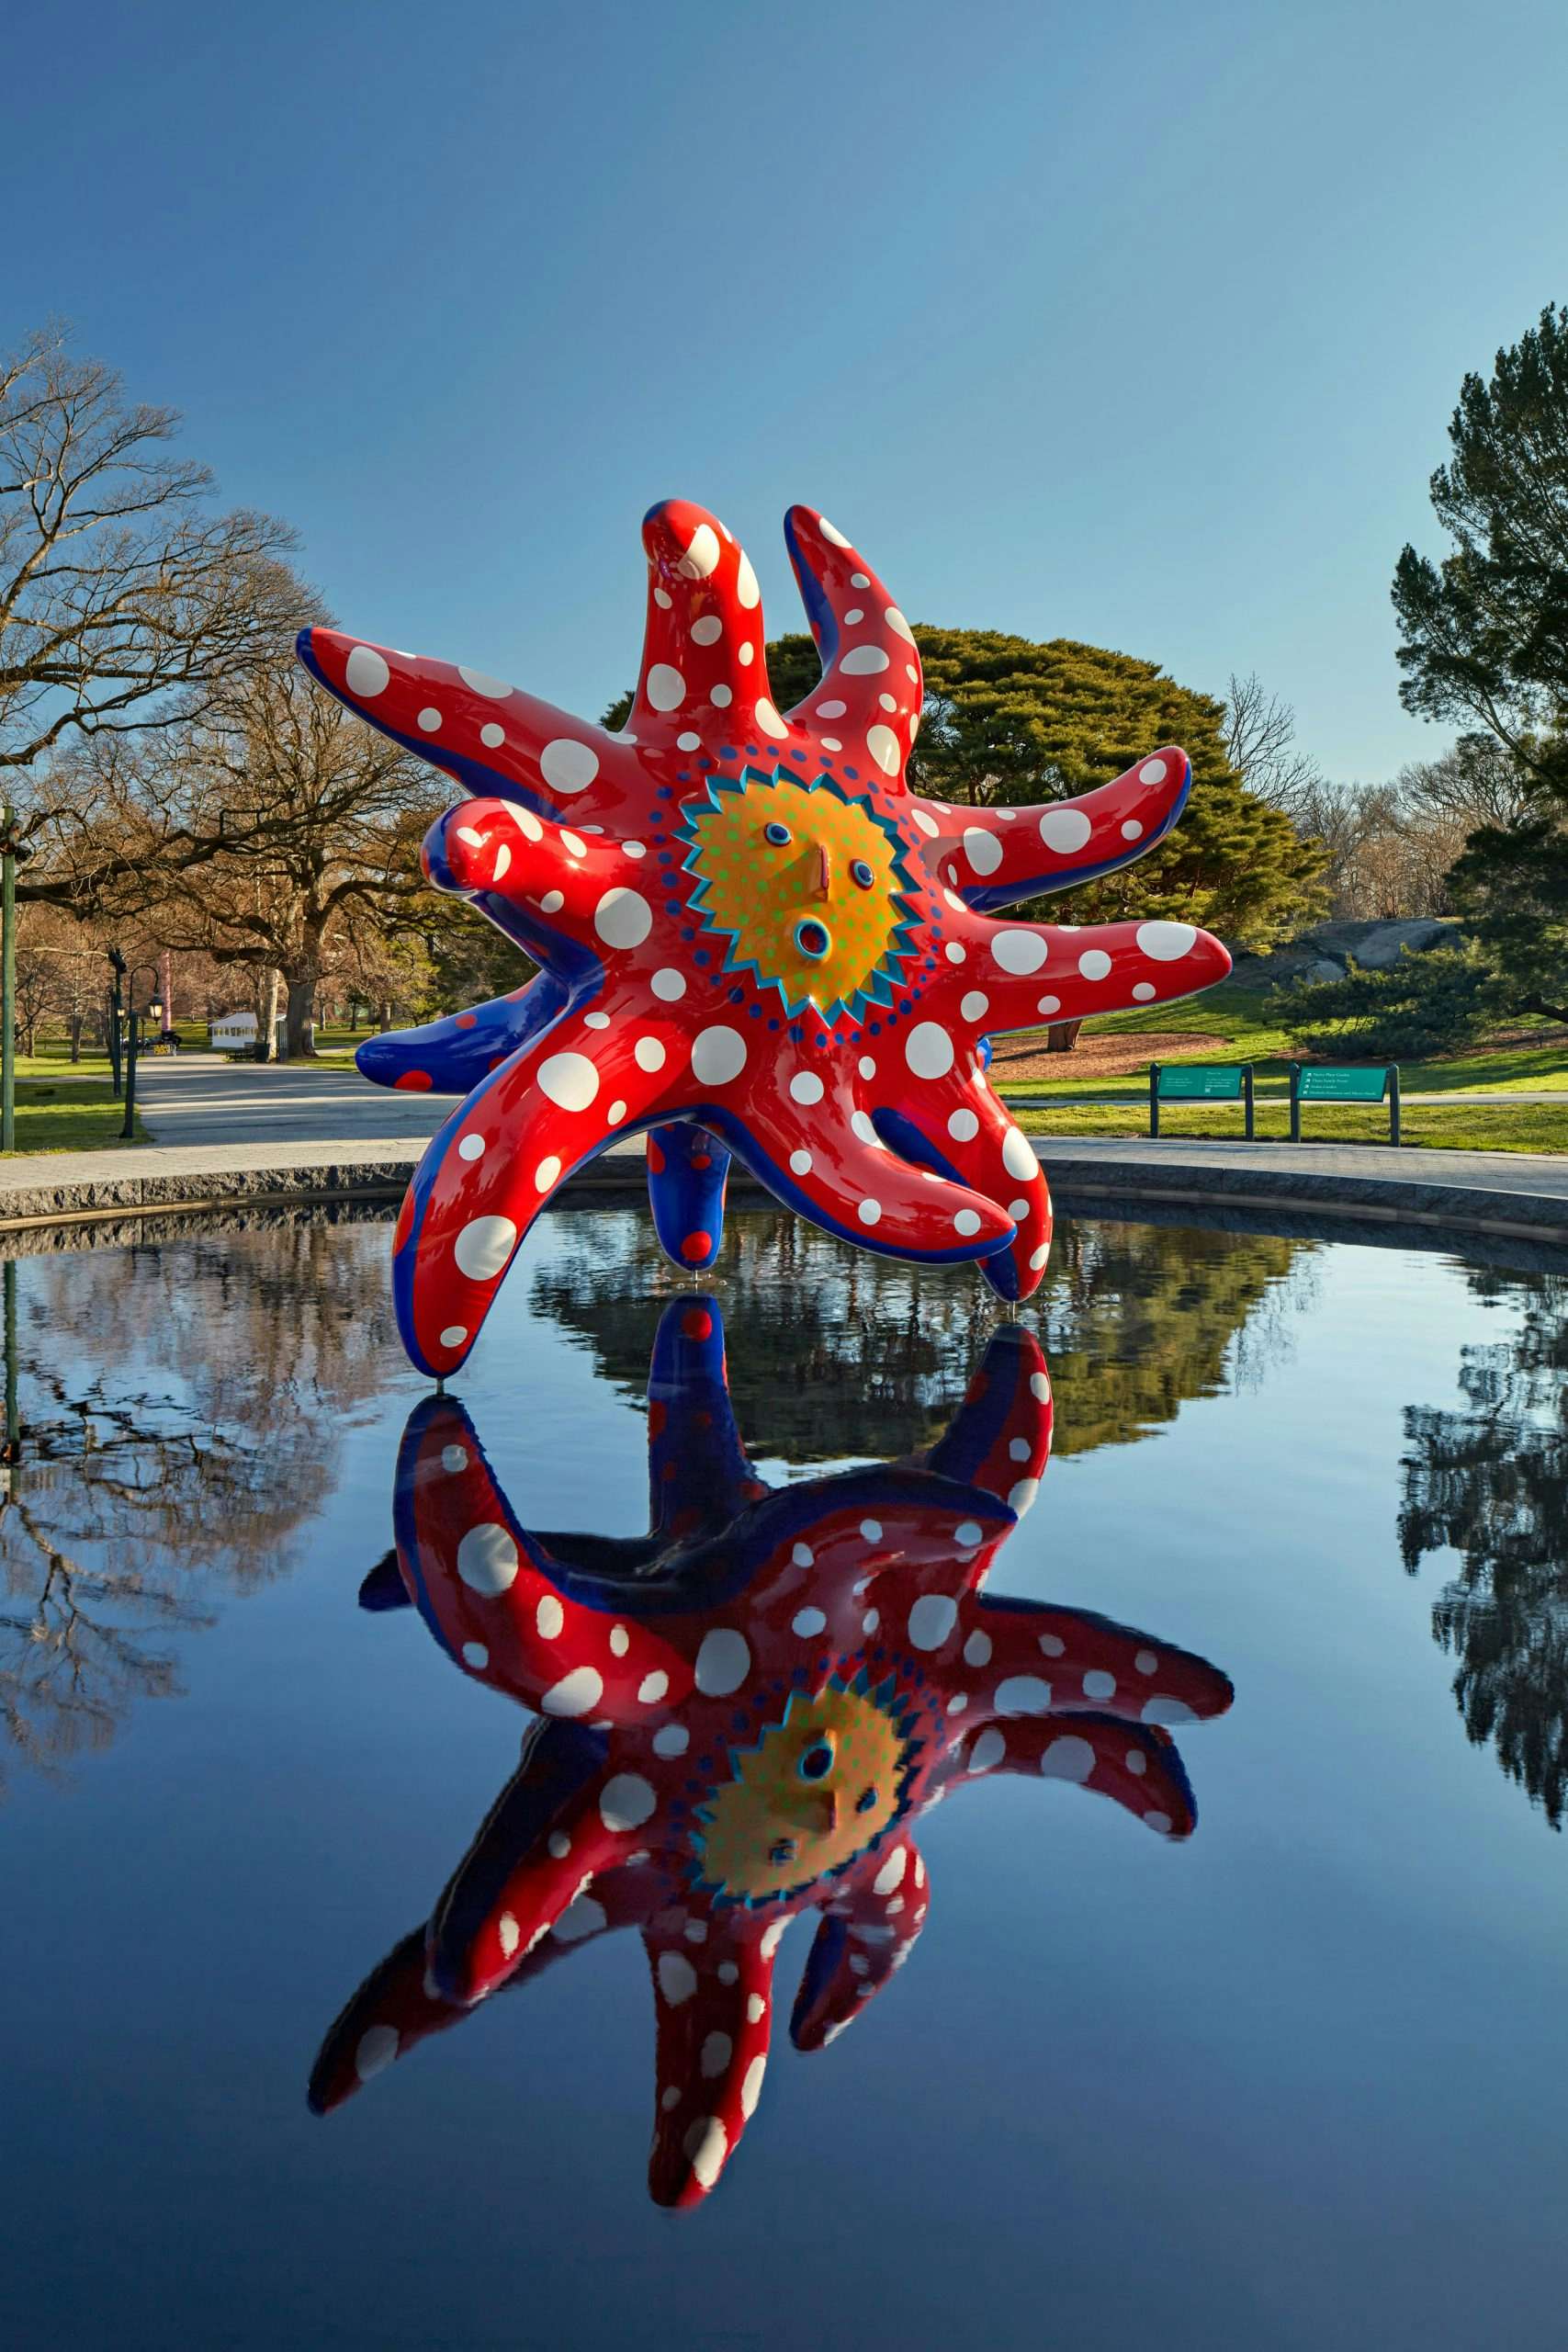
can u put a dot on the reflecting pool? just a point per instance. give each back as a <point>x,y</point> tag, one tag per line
<point>1018,1831</point>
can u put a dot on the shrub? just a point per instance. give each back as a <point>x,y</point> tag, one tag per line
<point>1423,1004</point>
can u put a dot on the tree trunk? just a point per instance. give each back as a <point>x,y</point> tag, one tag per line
<point>267,1043</point>
<point>1547,1012</point>
<point>1062,1037</point>
<point>75,1036</point>
<point>386,1013</point>
<point>299,1030</point>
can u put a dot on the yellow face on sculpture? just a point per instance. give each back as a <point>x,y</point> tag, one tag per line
<point>805,883</point>
<point>813,1793</point>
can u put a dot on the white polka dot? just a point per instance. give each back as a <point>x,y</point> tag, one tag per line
<point>717,1055</point>
<point>615,1113</point>
<point>1064,829</point>
<point>1131,831</point>
<point>863,661</point>
<point>1151,771</point>
<point>870,1212</point>
<point>454,1458</point>
<point>648,1054</point>
<point>568,766</point>
<point>688,741</point>
<point>622,918</point>
<point>582,1917</point>
<point>1094,963</point>
<point>831,743</point>
<point>866,1066</point>
<point>1147,1662</point>
<point>808,1621</point>
<point>429,720</point>
<point>883,747</point>
<point>596,1020</point>
<point>1017,951</point>
<point>832,709</point>
<point>928,1049</point>
<point>1040,1388</point>
<point>975,1006</point>
<point>967,1221</point>
<point>578,1694</point>
<point>620,1641</point>
<point>723,1662</point>
<point>375,2049</point>
<point>677,1977</point>
<point>493,736</point>
<point>1023,1694</point>
<point>746,655</point>
<point>478,683</point>
<point>891,1874</point>
<point>1022,1497</point>
<point>977,1649</point>
<point>1049,1004</point>
<point>860,1126</point>
<point>988,1751</point>
<point>1051,1645</point>
<point>702,553</point>
<point>526,822</point>
<point>963,1127</point>
<point>1017,1155</point>
<point>768,718</point>
<point>626,1802</point>
<point>928,825</point>
<point>982,849</point>
<point>549,1617</point>
<point>967,1533</point>
<point>1160,1822</point>
<point>717,2052</point>
<point>871,1620</point>
<point>898,625</point>
<point>552,902</point>
<point>546,1173</point>
<point>931,1620</point>
<point>709,630</point>
<point>484,1246</point>
<point>669,985</point>
<point>806,1086</point>
<point>835,538</point>
<point>487,1560</point>
<point>671,1739</point>
<point>665,688</point>
<point>454,1335</point>
<point>664,599</point>
<point>747,593</point>
<point>471,1147</point>
<point>573,844</point>
<point>722,696</point>
<point>652,1688</point>
<point>755,2004</point>
<point>800,1163</point>
<point>570,1080</point>
<point>1067,1759</point>
<point>707,2145</point>
<point>1164,942</point>
<point>476,1655</point>
<point>1162,1710</point>
<point>366,673</point>
<point>853,617</point>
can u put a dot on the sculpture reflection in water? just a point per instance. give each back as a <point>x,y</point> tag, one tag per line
<point>744,1713</point>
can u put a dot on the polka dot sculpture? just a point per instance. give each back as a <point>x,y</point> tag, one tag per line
<point>743,1715</point>
<point>752,938</point>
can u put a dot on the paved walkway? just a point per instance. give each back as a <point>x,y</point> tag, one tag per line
<point>231,1131</point>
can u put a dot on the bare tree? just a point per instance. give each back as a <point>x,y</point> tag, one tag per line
<point>124,600</point>
<point>326,816</point>
<point>1260,743</point>
<point>1476,782</point>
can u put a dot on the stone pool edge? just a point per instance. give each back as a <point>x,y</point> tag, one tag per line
<point>1458,1202</point>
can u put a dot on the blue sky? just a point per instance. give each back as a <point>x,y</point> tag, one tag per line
<point>1137,321</point>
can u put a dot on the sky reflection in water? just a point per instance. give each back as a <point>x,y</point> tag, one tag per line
<point>1288,2083</point>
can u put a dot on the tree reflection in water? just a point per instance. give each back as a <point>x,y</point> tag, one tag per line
<point>157,1471</point>
<point>1135,1319</point>
<point>1490,1482</point>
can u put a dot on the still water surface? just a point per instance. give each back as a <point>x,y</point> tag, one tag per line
<point>1292,2080</point>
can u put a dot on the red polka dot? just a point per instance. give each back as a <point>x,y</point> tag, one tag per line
<point>696,1247</point>
<point>696,1322</point>
<point>702,1160</point>
<point>655,1156</point>
<point>405,1219</point>
<point>414,1081</point>
<point>657,1414</point>
<point>468,1020</point>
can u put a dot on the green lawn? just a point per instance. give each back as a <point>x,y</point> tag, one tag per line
<point>1235,1015</point>
<point>79,1118</point>
<point>1466,1127</point>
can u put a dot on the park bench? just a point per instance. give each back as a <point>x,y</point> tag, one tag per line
<point>1200,1083</point>
<point>1344,1082</point>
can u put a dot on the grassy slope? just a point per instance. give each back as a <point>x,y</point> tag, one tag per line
<point>80,1117</point>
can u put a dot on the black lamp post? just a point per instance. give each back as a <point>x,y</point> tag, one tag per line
<point>128,1126</point>
<point>14,851</point>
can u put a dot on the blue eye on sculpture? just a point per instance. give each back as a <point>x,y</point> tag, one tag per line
<point>861,874</point>
<point>813,939</point>
<point>777,834</point>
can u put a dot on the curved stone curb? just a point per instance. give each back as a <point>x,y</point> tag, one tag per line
<point>1498,1198</point>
